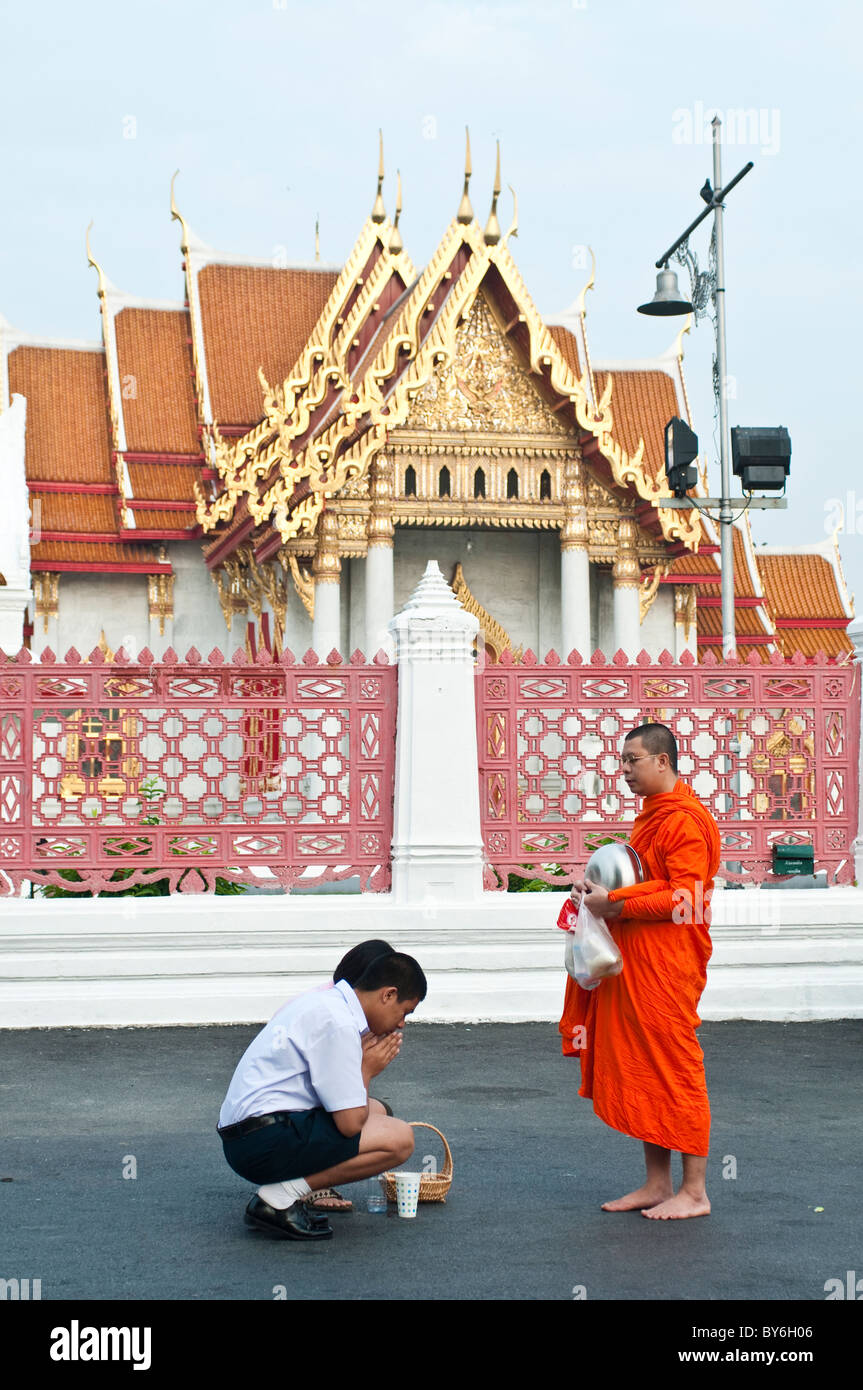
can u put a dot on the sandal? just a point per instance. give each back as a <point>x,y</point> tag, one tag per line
<point>328,1199</point>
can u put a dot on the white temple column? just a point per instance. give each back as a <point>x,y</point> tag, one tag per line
<point>575,603</point>
<point>15,591</point>
<point>574,567</point>
<point>626,575</point>
<point>437,839</point>
<point>326,571</point>
<point>380,597</point>
<point>380,584</point>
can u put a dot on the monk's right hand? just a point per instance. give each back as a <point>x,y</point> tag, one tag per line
<point>577,891</point>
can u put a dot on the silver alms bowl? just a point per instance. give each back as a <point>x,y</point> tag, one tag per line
<point>614,866</point>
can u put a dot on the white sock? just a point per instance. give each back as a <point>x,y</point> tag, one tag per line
<point>281,1195</point>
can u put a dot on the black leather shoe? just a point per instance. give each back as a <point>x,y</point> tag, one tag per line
<point>295,1223</point>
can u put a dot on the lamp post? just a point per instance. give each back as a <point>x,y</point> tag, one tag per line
<point>668,301</point>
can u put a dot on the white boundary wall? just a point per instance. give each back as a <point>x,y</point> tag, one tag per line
<point>193,960</point>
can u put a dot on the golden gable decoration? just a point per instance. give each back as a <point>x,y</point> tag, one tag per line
<point>484,387</point>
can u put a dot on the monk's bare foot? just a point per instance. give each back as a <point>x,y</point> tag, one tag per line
<point>681,1205</point>
<point>647,1196</point>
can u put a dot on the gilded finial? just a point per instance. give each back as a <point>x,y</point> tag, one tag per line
<point>465,211</point>
<point>396,243</point>
<point>492,226</point>
<point>580,307</point>
<point>379,212</point>
<point>317,236</point>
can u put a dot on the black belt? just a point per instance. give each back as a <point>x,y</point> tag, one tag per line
<point>254,1122</point>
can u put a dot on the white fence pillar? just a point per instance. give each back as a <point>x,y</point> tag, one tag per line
<point>437,841</point>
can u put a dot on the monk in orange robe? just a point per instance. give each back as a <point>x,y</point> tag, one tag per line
<point>641,1063</point>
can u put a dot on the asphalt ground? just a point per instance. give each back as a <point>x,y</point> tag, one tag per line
<point>532,1163</point>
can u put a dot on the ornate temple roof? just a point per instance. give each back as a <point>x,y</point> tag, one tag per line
<point>231,416</point>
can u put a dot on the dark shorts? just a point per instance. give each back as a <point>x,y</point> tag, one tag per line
<point>300,1143</point>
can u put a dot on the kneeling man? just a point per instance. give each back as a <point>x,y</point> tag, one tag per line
<point>297,1116</point>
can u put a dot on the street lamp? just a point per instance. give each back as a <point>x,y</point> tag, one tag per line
<point>667,301</point>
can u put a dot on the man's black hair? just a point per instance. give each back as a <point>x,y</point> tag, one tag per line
<point>657,738</point>
<point>359,958</point>
<point>395,969</point>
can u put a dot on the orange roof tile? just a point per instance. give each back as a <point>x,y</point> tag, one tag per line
<point>157,383</point>
<point>746,622</point>
<point>158,520</point>
<point>702,563</point>
<point>102,556</point>
<point>743,585</point>
<point>69,511</point>
<point>68,422</point>
<point>253,316</point>
<point>158,482</point>
<point>642,403</point>
<point>800,586</point>
<point>810,640</point>
<point>567,345</point>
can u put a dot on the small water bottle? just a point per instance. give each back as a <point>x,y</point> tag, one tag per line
<point>376,1197</point>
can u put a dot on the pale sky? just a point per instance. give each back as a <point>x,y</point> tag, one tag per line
<point>270,109</point>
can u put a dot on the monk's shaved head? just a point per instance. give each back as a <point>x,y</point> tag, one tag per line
<point>656,738</point>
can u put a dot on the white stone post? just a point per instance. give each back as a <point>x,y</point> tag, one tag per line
<point>855,632</point>
<point>15,591</point>
<point>437,842</point>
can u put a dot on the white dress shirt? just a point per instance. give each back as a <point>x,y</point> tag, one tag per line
<point>308,1055</point>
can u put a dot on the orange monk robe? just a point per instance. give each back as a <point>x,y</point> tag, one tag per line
<point>640,1060</point>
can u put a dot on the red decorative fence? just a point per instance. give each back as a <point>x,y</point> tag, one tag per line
<point>771,748</point>
<point>194,769</point>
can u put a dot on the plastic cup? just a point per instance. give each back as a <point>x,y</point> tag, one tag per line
<point>407,1193</point>
<point>376,1197</point>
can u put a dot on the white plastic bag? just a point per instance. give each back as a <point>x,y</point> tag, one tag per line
<point>591,952</point>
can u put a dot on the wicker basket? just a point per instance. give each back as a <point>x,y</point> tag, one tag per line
<point>433,1186</point>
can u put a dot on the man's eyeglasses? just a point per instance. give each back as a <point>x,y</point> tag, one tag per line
<point>628,759</point>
